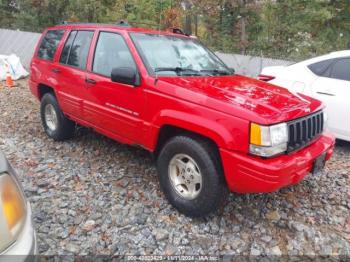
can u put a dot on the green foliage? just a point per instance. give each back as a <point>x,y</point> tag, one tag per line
<point>7,13</point>
<point>89,10</point>
<point>35,15</point>
<point>293,29</point>
<point>301,28</point>
<point>144,13</point>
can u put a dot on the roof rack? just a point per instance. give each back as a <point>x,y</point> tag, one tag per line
<point>123,23</point>
<point>178,31</point>
<point>74,23</point>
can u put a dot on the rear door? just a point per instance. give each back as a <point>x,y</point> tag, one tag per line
<point>333,88</point>
<point>42,63</point>
<point>114,108</point>
<point>71,72</point>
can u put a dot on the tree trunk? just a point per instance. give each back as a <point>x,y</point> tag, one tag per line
<point>243,35</point>
<point>188,19</point>
<point>196,25</point>
<point>242,4</point>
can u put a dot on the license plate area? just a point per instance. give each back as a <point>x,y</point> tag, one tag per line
<point>319,164</point>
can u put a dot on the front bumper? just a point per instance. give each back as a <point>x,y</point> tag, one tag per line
<point>249,174</point>
<point>25,247</point>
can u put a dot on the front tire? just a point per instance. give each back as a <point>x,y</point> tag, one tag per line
<point>56,125</point>
<point>191,176</point>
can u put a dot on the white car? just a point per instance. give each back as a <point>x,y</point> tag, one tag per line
<point>17,235</point>
<point>326,78</point>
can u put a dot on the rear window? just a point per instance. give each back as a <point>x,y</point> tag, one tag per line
<point>320,68</point>
<point>341,70</point>
<point>49,44</point>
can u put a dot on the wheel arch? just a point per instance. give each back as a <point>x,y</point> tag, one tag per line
<point>168,131</point>
<point>44,89</point>
<point>172,122</point>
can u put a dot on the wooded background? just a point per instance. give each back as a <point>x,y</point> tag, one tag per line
<point>289,29</point>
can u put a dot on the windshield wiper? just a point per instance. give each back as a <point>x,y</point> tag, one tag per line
<point>217,72</point>
<point>177,70</point>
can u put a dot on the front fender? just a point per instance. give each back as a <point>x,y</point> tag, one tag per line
<point>226,131</point>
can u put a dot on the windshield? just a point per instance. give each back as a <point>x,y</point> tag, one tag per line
<point>177,56</point>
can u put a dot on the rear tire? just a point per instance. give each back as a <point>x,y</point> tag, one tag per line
<point>191,176</point>
<point>56,125</point>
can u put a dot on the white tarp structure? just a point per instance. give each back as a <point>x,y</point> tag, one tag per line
<point>15,67</point>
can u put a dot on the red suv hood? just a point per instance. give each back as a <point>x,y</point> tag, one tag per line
<point>243,97</point>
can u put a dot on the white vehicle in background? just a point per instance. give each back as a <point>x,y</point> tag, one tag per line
<point>326,78</point>
<point>17,235</point>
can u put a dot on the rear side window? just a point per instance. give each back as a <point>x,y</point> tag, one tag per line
<point>67,47</point>
<point>111,52</point>
<point>49,44</point>
<point>341,70</point>
<point>76,49</point>
<point>320,68</point>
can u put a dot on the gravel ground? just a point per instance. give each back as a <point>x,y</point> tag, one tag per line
<point>91,195</point>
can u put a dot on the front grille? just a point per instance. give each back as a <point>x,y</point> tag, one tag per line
<point>304,130</point>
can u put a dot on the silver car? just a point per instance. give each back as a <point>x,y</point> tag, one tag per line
<point>17,235</point>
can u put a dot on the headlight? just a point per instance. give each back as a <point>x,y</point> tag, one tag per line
<point>12,211</point>
<point>267,141</point>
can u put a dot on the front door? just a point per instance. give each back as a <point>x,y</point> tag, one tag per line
<point>114,108</point>
<point>334,91</point>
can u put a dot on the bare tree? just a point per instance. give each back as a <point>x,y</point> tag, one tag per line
<point>187,4</point>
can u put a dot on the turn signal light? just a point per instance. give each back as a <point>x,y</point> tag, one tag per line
<point>12,202</point>
<point>255,134</point>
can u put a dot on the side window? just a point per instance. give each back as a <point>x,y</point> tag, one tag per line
<point>67,47</point>
<point>111,52</point>
<point>341,70</point>
<point>49,44</point>
<point>320,68</point>
<point>79,50</point>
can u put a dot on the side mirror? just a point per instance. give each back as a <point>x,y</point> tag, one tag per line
<point>125,75</point>
<point>232,70</point>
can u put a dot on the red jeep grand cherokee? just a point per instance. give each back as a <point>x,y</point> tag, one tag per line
<point>208,128</point>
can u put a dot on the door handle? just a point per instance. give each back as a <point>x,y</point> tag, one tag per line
<point>325,93</point>
<point>56,70</point>
<point>90,81</point>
